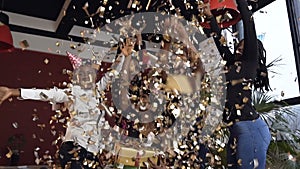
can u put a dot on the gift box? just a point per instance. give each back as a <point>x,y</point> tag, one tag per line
<point>133,157</point>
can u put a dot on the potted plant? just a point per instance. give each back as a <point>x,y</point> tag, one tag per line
<point>284,149</point>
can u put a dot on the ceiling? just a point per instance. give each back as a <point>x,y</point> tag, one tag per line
<point>44,22</point>
<point>63,18</point>
<point>60,19</point>
<point>55,26</point>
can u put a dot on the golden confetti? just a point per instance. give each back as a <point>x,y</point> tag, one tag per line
<point>239,162</point>
<point>73,46</point>
<point>46,61</point>
<point>41,126</point>
<point>24,44</point>
<point>57,44</point>
<point>245,99</point>
<point>35,117</point>
<point>9,154</point>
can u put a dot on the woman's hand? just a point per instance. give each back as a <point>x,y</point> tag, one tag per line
<point>175,29</point>
<point>161,164</point>
<point>127,46</point>
<point>204,8</point>
<point>6,92</point>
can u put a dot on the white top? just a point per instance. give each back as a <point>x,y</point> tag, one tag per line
<point>86,119</point>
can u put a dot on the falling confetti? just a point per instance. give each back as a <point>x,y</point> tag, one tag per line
<point>24,44</point>
<point>15,125</point>
<point>46,61</point>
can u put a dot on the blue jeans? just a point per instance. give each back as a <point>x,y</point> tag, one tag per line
<point>248,144</point>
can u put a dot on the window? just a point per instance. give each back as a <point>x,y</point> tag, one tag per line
<point>272,26</point>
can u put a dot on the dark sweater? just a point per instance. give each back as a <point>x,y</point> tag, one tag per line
<point>240,72</point>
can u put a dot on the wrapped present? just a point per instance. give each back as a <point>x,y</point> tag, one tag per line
<point>133,157</point>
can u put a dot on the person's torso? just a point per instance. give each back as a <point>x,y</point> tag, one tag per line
<point>86,119</point>
<point>238,105</point>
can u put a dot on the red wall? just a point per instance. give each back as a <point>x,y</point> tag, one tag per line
<point>24,68</point>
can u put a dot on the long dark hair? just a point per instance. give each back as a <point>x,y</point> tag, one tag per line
<point>261,82</point>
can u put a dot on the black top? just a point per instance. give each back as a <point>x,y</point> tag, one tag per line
<point>240,72</point>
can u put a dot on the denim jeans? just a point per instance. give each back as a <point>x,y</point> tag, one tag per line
<point>248,144</point>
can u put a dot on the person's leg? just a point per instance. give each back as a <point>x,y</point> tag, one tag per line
<point>71,155</point>
<point>253,138</point>
<point>262,141</point>
<point>245,146</point>
<point>202,155</point>
<point>241,148</point>
<point>231,152</point>
<point>91,161</point>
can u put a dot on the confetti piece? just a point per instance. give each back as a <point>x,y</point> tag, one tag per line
<point>24,44</point>
<point>15,125</point>
<point>46,61</point>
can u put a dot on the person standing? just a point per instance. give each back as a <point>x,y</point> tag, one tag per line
<point>245,68</point>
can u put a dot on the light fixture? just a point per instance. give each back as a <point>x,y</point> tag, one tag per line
<point>6,40</point>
